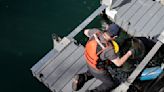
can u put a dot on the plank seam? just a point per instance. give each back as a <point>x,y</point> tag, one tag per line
<point>132,17</point>
<point>144,14</point>
<point>52,59</point>
<point>135,31</point>
<point>136,11</point>
<point>72,77</point>
<point>60,64</point>
<point>66,70</point>
<point>130,20</point>
<point>128,8</point>
<point>156,24</point>
<point>149,20</point>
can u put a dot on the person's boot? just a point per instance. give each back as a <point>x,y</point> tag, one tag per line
<point>78,81</point>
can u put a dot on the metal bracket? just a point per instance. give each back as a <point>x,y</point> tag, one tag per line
<point>59,46</point>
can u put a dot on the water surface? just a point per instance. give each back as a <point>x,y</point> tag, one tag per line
<point>25,36</point>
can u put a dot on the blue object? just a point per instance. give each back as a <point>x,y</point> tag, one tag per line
<point>151,73</point>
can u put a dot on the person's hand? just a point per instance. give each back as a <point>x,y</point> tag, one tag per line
<point>129,52</point>
<point>132,52</point>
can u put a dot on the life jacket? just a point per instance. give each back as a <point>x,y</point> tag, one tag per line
<point>91,53</point>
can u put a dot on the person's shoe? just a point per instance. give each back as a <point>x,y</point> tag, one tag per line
<point>78,82</point>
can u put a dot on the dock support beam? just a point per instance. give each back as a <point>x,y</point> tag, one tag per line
<point>87,21</point>
<point>125,86</point>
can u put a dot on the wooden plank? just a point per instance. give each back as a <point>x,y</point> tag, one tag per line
<point>58,60</point>
<point>95,84</point>
<point>131,12</point>
<point>62,68</point>
<point>68,86</point>
<point>67,76</point>
<point>146,18</point>
<point>122,10</point>
<point>126,7</point>
<point>131,30</point>
<point>141,12</point>
<point>148,28</point>
<point>118,20</point>
<point>158,28</point>
<point>46,59</point>
<point>125,25</point>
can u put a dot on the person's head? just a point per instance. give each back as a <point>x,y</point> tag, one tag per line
<point>112,32</point>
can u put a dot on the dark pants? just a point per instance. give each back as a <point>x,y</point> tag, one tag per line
<point>103,75</point>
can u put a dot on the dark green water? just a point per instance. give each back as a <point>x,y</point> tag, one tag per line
<point>25,36</point>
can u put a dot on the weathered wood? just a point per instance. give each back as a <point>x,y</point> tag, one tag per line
<point>158,28</point>
<point>67,76</point>
<point>148,28</point>
<point>58,60</point>
<point>68,86</point>
<point>44,61</point>
<point>118,20</point>
<point>125,8</point>
<point>130,13</point>
<point>60,70</point>
<point>146,18</point>
<point>140,13</point>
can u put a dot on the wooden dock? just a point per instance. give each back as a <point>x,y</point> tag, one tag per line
<point>56,69</point>
<point>141,18</point>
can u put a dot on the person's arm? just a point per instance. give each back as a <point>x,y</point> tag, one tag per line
<point>120,61</point>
